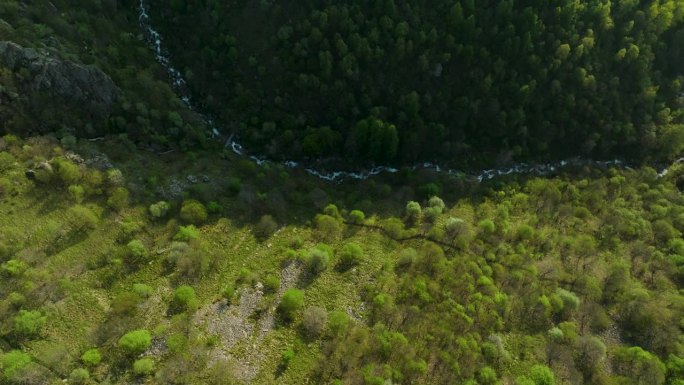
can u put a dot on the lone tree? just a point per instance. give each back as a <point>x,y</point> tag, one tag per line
<point>193,212</point>
<point>293,300</point>
<point>135,342</point>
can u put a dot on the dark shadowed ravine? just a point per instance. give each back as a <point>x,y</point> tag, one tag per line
<point>154,38</point>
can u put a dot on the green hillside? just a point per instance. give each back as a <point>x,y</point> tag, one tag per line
<point>137,249</point>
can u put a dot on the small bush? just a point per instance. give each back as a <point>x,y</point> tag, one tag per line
<point>292,300</point>
<point>29,323</point>
<point>79,376</point>
<point>287,357</point>
<point>115,177</point>
<point>137,252</point>
<point>229,293</point>
<point>317,260</point>
<point>186,233</point>
<point>118,199</point>
<point>328,227</point>
<point>91,357</point>
<point>82,218</point>
<point>13,268</point>
<point>413,212</point>
<point>314,321</point>
<point>6,161</point>
<point>5,186</point>
<point>135,342</point>
<point>77,193</point>
<point>143,366</point>
<point>185,299</point>
<point>193,212</point>
<point>12,362</point>
<point>159,209</point>
<point>357,217</point>
<point>350,256</point>
<point>265,227</point>
<point>142,290</point>
<point>272,283</point>
<point>68,172</point>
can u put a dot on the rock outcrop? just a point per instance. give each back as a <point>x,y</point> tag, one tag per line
<point>85,86</point>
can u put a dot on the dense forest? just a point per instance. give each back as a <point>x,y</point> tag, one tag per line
<point>136,249</point>
<point>464,81</point>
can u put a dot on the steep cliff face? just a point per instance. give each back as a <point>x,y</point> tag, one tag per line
<point>41,80</point>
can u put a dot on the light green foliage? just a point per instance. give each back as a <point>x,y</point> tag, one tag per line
<point>115,177</point>
<point>413,211</point>
<point>91,357</point>
<point>350,256</point>
<point>13,267</point>
<point>193,212</point>
<point>137,251</point>
<point>135,342</point>
<point>142,290</point>
<point>318,259</point>
<point>186,233</point>
<point>143,366</point>
<point>79,376</point>
<point>542,375</point>
<point>5,186</point>
<point>77,193</point>
<point>29,324</point>
<point>357,217</point>
<point>6,161</point>
<point>328,227</point>
<point>292,301</point>
<point>118,199</point>
<point>185,299</point>
<point>12,362</point>
<point>67,172</point>
<point>639,365</point>
<point>159,209</point>
<point>81,218</point>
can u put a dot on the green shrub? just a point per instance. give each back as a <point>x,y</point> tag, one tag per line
<point>486,226</point>
<point>142,290</point>
<point>82,218</point>
<point>272,283</point>
<point>159,209</point>
<point>186,233</point>
<point>6,161</point>
<point>350,256</point>
<point>118,199</point>
<point>317,260</point>
<point>541,375</point>
<point>229,293</point>
<point>91,357</point>
<point>314,321</point>
<point>137,252</point>
<point>143,366</point>
<point>292,300</point>
<point>67,172</point>
<point>135,342</point>
<point>287,357</point>
<point>115,178</point>
<point>5,186</point>
<point>12,362</point>
<point>77,193</point>
<point>214,207</point>
<point>79,376</point>
<point>185,299</point>
<point>265,227</point>
<point>29,323</point>
<point>413,212</point>
<point>13,268</point>
<point>328,227</point>
<point>193,212</point>
<point>357,217</point>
